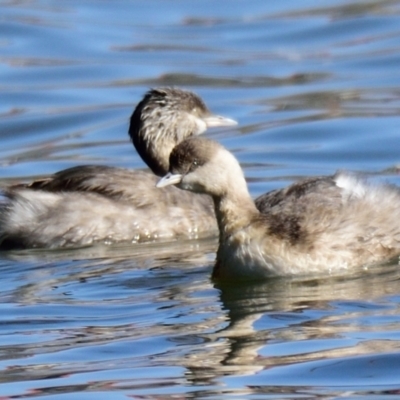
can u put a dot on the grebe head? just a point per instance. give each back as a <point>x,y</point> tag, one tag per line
<point>203,166</point>
<point>166,117</point>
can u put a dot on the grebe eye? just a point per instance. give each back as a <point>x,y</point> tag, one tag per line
<point>194,165</point>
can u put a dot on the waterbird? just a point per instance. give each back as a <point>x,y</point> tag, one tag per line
<point>318,225</point>
<point>91,203</point>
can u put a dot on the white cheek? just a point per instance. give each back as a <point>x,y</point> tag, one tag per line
<point>201,126</point>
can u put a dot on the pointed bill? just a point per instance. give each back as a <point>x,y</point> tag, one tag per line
<point>169,179</point>
<point>218,120</point>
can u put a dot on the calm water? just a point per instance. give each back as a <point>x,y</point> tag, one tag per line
<point>315,86</point>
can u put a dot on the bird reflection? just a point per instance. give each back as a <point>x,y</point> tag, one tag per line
<point>261,317</point>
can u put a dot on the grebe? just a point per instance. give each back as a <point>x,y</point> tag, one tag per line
<point>319,225</point>
<point>86,204</point>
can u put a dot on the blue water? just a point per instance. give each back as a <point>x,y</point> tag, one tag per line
<point>315,86</point>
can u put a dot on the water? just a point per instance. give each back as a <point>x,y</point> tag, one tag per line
<point>315,87</point>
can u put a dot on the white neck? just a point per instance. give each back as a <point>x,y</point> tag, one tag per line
<point>235,207</point>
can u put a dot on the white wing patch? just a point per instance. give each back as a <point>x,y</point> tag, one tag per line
<point>352,185</point>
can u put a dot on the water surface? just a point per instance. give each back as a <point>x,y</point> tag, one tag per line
<point>315,87</point>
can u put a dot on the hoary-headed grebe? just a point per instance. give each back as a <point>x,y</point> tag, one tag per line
<point>87,204</point>
<point>319,225</point>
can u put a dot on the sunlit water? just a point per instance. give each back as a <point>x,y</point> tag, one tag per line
<point>315,86</point>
